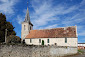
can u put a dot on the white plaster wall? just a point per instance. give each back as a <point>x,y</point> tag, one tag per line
<point>52,41</point>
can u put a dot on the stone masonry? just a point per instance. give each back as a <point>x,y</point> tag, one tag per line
<point>35,51</point>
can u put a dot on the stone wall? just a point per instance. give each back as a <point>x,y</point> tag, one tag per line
<point>35,51</point>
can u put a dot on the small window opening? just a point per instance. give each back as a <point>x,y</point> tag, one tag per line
<point>65,40</point>
<point>30,27</point>
<point>30,40</point>
<point>24,27</point>
<point>48,40</point>
<point>39,40</point>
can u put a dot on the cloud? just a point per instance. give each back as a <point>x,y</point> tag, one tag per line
<point>80,30</point>
<point>51,26</point>
<point>46,15</point>
<point>24,11</point>
<point>82,3</point>
<point>7,6</point>
<point>77,17</point>
<point>82,33</point>
<point>45,12</point>
<point>73,20</point>
<point>20,19</point>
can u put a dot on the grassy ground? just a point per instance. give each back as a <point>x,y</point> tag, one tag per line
<point>81,51</point>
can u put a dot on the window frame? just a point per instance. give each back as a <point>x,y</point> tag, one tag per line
<point>39,40</point>
<point>30,40</point>
<point>48,41</point>
<point>65,40</point>
<point>30,27</point>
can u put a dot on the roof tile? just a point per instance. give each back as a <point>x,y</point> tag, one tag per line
<point>53,33</point>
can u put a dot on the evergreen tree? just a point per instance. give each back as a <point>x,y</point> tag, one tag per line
<point>5,25</point>
<point>2,27</point>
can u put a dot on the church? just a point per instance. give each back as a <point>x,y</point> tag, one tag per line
<point>64,36</point>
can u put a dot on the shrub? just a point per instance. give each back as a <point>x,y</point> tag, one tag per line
<point>13,39</point>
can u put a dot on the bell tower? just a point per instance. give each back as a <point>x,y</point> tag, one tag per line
<point>26,26</point>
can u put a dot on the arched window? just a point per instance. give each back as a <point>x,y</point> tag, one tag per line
<point>24,27</point>
<point>48,40</point>
<point>30,40</point>
<point>30,27</point>
<point>65,40</point>
<point>39,40</point>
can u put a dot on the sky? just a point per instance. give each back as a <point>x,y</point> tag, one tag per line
<point>45,14</point>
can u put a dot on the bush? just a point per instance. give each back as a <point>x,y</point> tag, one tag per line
<point>80,51</point>
<point>13,39</point>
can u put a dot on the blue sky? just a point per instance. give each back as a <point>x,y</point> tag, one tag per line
<point>46,14</point>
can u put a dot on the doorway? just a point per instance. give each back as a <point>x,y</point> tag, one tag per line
<point>42,42</point>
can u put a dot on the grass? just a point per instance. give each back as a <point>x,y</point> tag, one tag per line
<point>80,51</point>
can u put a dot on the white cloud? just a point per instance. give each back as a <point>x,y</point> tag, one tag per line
<point>77,17</point>
<point>73,20</point>
<point>70,9</point>
<point>7,6</point>
<point>82,33</point>
<point>82,3</point>
<point>80,30</point>
<point>20,18</point>
<point>46,12</point>
<point>51,26</point>
<point>24,11</point>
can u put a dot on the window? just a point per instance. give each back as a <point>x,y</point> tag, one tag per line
<point>24,27</point>
<point>48,40</point>
<point>30,27</point>
<point>65,40</point>
<point>39,40</point>
<point>30,40</point>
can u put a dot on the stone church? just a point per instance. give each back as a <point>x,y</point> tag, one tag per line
<point>64,36</point>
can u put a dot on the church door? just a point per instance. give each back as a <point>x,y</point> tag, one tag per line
<point>42,42</point>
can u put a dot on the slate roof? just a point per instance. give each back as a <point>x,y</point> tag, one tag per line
<point>63,32</point>
<point>27,17</point>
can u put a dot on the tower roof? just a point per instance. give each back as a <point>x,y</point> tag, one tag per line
<point>27,17</point>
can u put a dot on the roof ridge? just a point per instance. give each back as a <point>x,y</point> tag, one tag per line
<point>55,28</point>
